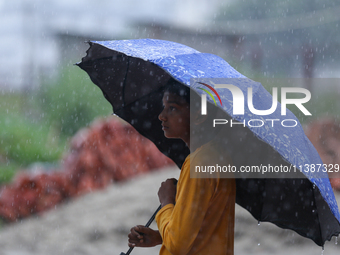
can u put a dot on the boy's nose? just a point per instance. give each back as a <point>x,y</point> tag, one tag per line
<point>161,116</point>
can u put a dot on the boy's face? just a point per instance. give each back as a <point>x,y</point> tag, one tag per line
<point>175,117</point>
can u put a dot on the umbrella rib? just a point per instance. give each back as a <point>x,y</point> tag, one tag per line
<point>124,82</point>
<point>264,190</point>
<point>313,190</point>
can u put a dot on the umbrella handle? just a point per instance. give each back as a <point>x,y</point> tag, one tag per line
<point>146,225</point>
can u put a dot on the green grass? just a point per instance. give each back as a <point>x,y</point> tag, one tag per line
<point>25,141</point>
<point>72,102</point>
<point>35,126</point>
<point>7,172</point>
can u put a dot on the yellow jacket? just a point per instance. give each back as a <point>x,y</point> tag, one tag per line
<point>202,221</point>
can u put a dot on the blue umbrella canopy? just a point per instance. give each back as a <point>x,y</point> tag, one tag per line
<point>132,73</point>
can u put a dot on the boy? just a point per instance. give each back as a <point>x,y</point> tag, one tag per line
<point>197,216</point>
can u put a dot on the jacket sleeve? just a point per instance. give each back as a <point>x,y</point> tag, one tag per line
<point>179,225</point>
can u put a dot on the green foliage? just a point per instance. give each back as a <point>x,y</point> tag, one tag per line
<point>25,141</point>
<point>7,172</point>
<point>72,102</point>
<point>35,126</point>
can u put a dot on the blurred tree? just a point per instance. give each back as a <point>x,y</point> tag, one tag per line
<point>72,102</point>
<point>36,125</point>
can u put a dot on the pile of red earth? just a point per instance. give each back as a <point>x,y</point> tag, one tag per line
<point>107,152</point>
<point>325,136</point>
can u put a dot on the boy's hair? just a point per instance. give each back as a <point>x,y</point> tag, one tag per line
<point>173,86</point>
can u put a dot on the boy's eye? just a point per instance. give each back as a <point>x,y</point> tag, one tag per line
<point>171,108</point>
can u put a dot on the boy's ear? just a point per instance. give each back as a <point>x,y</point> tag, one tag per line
<point>198,118</point>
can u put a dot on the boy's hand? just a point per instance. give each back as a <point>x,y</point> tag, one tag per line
<point>167,192</point>
<point>141,236</point>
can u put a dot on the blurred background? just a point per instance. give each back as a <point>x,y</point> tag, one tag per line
<point>45,100</point>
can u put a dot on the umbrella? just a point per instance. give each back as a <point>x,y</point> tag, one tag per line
<point>132,73</point>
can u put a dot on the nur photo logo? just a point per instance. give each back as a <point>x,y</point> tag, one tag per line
<point>241,98</point>
<point>204,97</point>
